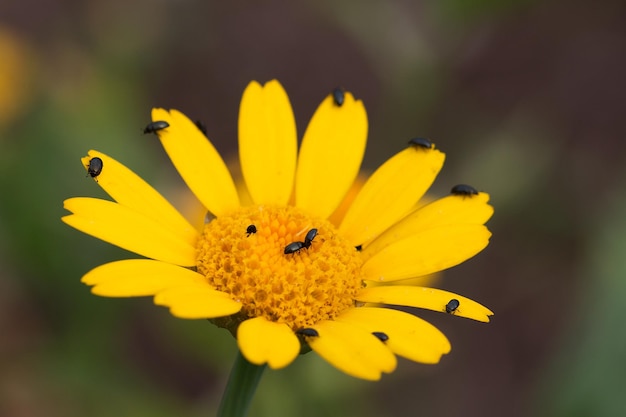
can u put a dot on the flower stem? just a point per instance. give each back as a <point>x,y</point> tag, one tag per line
<point>242,383</point>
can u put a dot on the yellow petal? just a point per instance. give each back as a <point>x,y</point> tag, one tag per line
<point>197,302</point>
<point>352,350</point>
<point>422,297</point>
<point>421,281</point>
<point>129,190</point>
<point>429,251</point>
<point>124,227</point>
<point>449,210</point>
<point>390,193</point>
<point>197,162</point>
<point>330,155</point>
<point>262,341</point>
<point>138,277</point>
<point>267,143</point>
<point>340,212</point>
<point>409,336</point>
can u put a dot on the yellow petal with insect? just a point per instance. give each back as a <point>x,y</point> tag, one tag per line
<point>445,211</point>
<point>424,297</point>
<point>409,336</point>
<point>198,162</point>
<point>130,190</point>
<point>330,155</point>
<point>352,350</point>
<point>391,193</point>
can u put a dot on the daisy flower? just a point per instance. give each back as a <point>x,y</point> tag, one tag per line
<point>277,273</point>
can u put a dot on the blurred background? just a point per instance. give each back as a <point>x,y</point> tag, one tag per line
<point>527,99</point>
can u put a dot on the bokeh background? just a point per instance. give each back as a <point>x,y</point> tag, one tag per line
<point>527,98</point>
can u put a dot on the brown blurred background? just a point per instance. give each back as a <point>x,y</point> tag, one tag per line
<point>527,99</point>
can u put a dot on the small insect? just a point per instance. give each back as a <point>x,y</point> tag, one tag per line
<point>153,127</point>
<point>293,247</point>
<point>95,167</point>
<point>421,143</point>
<point>308,332</point>
<point>359,248</point>
<point>381,336</point>
<point>464,190</point>
<point>201,126</point>
<point>308,239</point>
<point>452,306</point>
<point>338,96</point>
<point>251,230</point>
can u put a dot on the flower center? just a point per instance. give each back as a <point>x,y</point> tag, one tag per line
<point>243,254</point>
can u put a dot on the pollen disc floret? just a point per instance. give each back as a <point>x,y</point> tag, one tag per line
<point>300,289</point>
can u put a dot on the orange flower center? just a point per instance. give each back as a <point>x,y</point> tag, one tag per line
<point>243,254</point>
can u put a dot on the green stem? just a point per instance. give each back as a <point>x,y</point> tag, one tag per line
<point>242,383</point>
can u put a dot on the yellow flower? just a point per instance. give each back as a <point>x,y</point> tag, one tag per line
<point>261,270</point>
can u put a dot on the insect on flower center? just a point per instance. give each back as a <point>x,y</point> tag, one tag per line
<point>250,255</point>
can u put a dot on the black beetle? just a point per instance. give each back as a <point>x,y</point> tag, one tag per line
<point>308,239</point>
<point>95,167</point>
<point>293,247</point>
<point>308,332</point>
<point>452,306</point>
<point>338,96</point>
<point>359,248</point>
<point>381,336</point>
<point>201,127</point>
<point>464,190</point>
<point>153,127</point>
<point>251,229</point>
<point>421,143</point>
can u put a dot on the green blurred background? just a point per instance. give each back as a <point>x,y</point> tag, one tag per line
<point>527,98</point>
